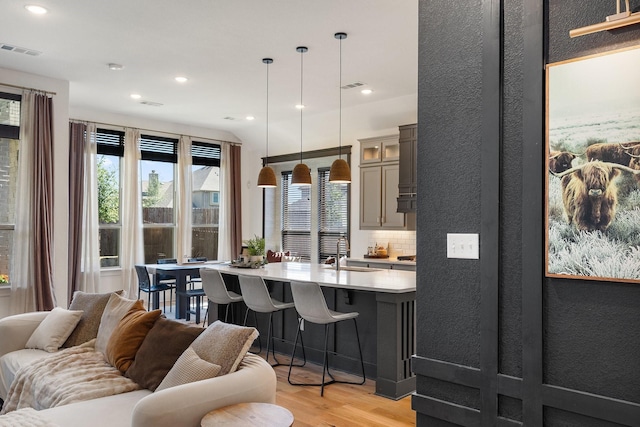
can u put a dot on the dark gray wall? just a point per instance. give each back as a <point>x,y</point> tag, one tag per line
<point>497,342</point>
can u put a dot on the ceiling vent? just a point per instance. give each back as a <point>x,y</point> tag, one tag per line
<point>352,85</point>
<point>230,118</point>
<point>151,103</point>
<point>16,49</point>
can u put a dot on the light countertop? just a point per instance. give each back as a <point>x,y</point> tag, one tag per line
<point>378,280</point>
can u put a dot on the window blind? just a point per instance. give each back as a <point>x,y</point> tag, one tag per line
<point>333,214</point>
<point>159,149</point>
<point>204,154</point>
<point>110,142</point>
<point>296,218</point>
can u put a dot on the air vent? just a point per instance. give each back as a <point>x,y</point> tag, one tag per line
<point>352,85</point>
<point>151,103</point>
<point>16,49</point>
<point>230,118</point>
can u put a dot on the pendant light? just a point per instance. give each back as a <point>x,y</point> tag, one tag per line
<point>301,173</point>
<point>267,177</point>
<point>340,172</point>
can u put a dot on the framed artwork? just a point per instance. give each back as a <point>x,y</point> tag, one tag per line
<point>593,167</point>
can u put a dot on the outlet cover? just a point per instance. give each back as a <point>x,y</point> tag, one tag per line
<point>463,245</point>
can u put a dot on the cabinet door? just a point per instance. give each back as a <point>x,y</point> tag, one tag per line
<point>370,193</point>
<point>407,170</point>
<point>391,219</point>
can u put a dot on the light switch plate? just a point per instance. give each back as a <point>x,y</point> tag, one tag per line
<point>463,245</point>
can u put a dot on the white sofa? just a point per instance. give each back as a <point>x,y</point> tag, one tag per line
<point>183,405</point>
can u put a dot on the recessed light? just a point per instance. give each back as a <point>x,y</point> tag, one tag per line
<point>366,91</point>
<point>250,118</point>
<point>181,79</point>
<point>35,9</point>
<point>115,67</point>
<point>299,106</point>
<point>136,96</point>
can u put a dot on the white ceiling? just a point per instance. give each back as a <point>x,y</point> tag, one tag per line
<point>219,46</point>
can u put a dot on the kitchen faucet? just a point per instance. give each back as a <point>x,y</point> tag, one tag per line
<point>347,250</point>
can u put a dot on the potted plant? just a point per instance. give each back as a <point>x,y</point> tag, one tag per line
<point>255,247</point>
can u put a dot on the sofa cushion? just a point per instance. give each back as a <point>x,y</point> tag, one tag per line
<point>128,336</point>
<point>189,368</point>
<point>114,311</point>
<point>11,362</point>
<point>160,350</point>
<point>54,330</point>
<point>93,306</point>
<point>224,344</point>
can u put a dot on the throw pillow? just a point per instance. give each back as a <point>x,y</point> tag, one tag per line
<point>114,311</point>
<point>187,369</point>
<point>93,306</point>
<point>160,350</point>
<point>128,336</point>
<point>53,331</point>
<point>224,344</point>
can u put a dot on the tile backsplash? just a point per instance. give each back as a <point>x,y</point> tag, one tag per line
<point>397,242</point>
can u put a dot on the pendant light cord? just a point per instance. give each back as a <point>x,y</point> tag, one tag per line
<point>267,137</point>
<point>301,104</point>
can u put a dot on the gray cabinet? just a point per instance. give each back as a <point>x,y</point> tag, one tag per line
<point>379,175</point>
<point>408,179</point>
<point>387,265</point>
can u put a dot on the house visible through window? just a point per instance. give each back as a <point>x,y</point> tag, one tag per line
<point>159,155</point>
<point>205,199</point>
<point>110,144</point>
<point>9,148</point>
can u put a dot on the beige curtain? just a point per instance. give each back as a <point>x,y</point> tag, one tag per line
<point>76,201</point>
<point>42,214</point>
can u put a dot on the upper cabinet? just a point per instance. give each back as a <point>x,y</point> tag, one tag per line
<point>408,180</point>
<point>379,172</point>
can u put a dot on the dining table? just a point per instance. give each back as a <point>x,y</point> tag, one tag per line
<point>183,273</point>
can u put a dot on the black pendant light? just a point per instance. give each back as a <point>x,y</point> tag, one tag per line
<point>267,177</point>
<point>340,172</point>
<point>301,173</point>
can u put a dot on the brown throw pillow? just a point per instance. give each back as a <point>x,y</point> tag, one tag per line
<point>224,344</point>
<point>160,350</point>
<point>92,305</point>
<point>115,310</point>
<point>128,336</point>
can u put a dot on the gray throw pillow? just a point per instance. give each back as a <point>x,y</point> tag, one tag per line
<point>92,306</point>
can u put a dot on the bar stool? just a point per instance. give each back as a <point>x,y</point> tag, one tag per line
<point>217,292</point>
<point>256,297</point>
<point>312,307</point>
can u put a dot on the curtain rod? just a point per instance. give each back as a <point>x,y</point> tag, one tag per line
<point>153,130</point>
<point>48,92</point>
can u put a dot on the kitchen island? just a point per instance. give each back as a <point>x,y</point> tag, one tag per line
<point>385,300</point>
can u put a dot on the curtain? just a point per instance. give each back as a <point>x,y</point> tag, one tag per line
<point>22,292</point>
<point>183,198</point>
<point>230,224</point>
<point>42,214</point>
<point>90,260</point>
<point>132,236</point>
<point>76,202</point>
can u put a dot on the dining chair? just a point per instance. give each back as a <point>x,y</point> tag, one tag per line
<point>166,279</point>
<point>256,297</point>
<point>312,307</point>
<point>145,285</point>
<point>217,292</point>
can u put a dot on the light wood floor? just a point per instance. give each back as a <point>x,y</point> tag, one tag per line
<point>342,404</point>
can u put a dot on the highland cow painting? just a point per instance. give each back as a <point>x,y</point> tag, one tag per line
<point>593,167</point>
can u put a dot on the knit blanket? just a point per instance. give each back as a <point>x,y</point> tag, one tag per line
<point>25,417</point>
<point>67,376</point>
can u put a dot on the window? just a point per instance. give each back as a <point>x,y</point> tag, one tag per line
<point>296,218</point>
<point>205,199</point>
<point>159,156</point>
<point>110,151</point>
<point>333,214</point>
<point>9,145</point>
